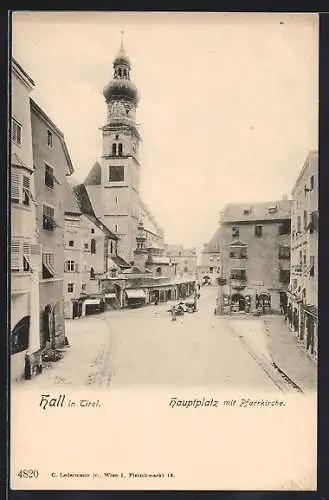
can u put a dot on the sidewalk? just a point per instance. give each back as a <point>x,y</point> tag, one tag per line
<point>289,355</point>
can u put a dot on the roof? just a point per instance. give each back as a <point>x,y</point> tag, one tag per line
<point>261,211</point>
<point>21,71</point>
<point>71,205</point>
<point>312,155</point>
<point>159,260</point>
<point>119,261</point>
<point>83,199</point>
<point>36,108</point>
<point>86,208</point>
<point>151,244</point>
<point>213,245</point>
<point>179,251</point>
<point>16,161</point>
<point>95,175</point>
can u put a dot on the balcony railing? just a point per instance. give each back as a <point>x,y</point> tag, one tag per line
<point>238,282</point>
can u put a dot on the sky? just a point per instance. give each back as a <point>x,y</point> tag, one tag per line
<point>228,102</point>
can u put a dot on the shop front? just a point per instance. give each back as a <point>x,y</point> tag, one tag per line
<point>94,305</point>
<point>135,297</point>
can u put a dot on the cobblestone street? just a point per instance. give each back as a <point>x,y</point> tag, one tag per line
<point>143,347</point>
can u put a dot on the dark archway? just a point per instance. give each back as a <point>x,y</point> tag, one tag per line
<point>20,335</point>
<point>238,300</point>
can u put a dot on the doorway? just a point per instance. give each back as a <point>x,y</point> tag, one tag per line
<point>238,302</point>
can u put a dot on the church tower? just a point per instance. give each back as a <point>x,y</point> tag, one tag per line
<point>119,163</point>
<point>140,252</point>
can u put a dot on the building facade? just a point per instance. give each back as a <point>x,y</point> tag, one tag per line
<point>255,255</point>
<point>302,311</point>
<point>210,260</point>
<point>184,259</point>
<point>25,251</point>
<point>113,182</point>
<point>52,164</point>
<point>89,250</point>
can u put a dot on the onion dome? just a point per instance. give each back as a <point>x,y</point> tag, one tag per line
<point>121,88</point>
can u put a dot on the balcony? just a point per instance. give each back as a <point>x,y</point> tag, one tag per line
<point>238,283</point>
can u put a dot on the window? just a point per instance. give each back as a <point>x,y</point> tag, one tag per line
<point>49,222</point>
<point>311,182</point>
<point>69,266</point>
<point>20,188</point>
<point>299,224</point>
<point>93,246</point>
<point>70,287</point>
<point>272,210</point>
<point>15,186</point>
<point>284,228</point>
<point>111,247</point>
<point>284,276</point>
<point>185,269</point>
<point>258,231</point>
<point>114,149</point>
<point>284,252</point>
<point>312,261</point>
<point>158,271</point>
<point>246,211</point>
<point>305,219</point>
<point>49,138</point>
<point>85,246</point>
<point>16,255</point>
<point>120,149</point>
<point>235,232</point>
<point>117,137</point>
<point>238,253</point>
<point>48,269</point>
<point>26,190</point>
<point>49,176</point>
<point>313,222</point>
<point>83,287</point>
<point>116,200</point>
<point>16,132</point>
<point>116,228</point>
<point>27,257</point>
<point>116,173</point>
<point>92,231</point>
<point>92,273</point>
<point>71,243</point>
<point>239,274</point>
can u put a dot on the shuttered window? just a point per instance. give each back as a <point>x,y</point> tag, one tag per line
<point>15,186</point>
<point>16,132</point>
<point>26,190</point>
<point>49,222</point>
<point>16,255</point>
<point>21,255</point>
<point>20,187</point>
<point>27,257</point>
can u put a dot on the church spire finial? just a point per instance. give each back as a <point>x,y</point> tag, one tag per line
<point>122,50</point>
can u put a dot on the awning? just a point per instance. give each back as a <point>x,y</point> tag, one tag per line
<point>92,302</point>
<point>110,296</point>
<point>136,294</point>
<point>48,270</point>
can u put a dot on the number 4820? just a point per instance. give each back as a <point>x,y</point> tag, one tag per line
<point>28,473</point>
